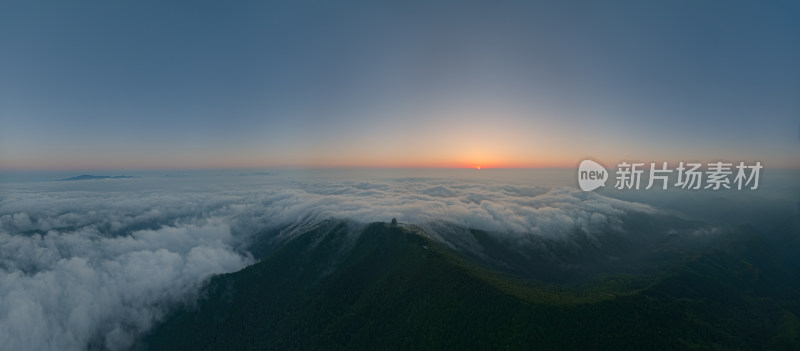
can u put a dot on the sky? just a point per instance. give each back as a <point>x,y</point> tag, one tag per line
<point>134,85</point>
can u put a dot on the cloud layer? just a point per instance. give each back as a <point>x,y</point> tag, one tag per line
<point>96,263</point>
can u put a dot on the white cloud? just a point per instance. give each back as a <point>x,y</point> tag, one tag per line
<point>99,263</point>
<point>60,290</point>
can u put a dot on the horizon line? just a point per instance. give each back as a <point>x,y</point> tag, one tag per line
<point>300,168</point>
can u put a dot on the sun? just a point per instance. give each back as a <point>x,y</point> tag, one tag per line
<point>478,167</point>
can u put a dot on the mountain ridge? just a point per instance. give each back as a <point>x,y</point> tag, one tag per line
<point>96,177</point>
<point>384,286</point>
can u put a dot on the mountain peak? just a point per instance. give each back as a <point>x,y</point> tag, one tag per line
<point>96,177</point>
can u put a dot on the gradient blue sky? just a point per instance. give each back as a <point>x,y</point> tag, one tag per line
<point>161,85</point>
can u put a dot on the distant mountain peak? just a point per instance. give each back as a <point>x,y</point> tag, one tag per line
<point>96,177</point>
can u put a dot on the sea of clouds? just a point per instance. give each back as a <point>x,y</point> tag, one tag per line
<point>94,264</point>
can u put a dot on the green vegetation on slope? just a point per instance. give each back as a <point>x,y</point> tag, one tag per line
<point>389,288</point>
